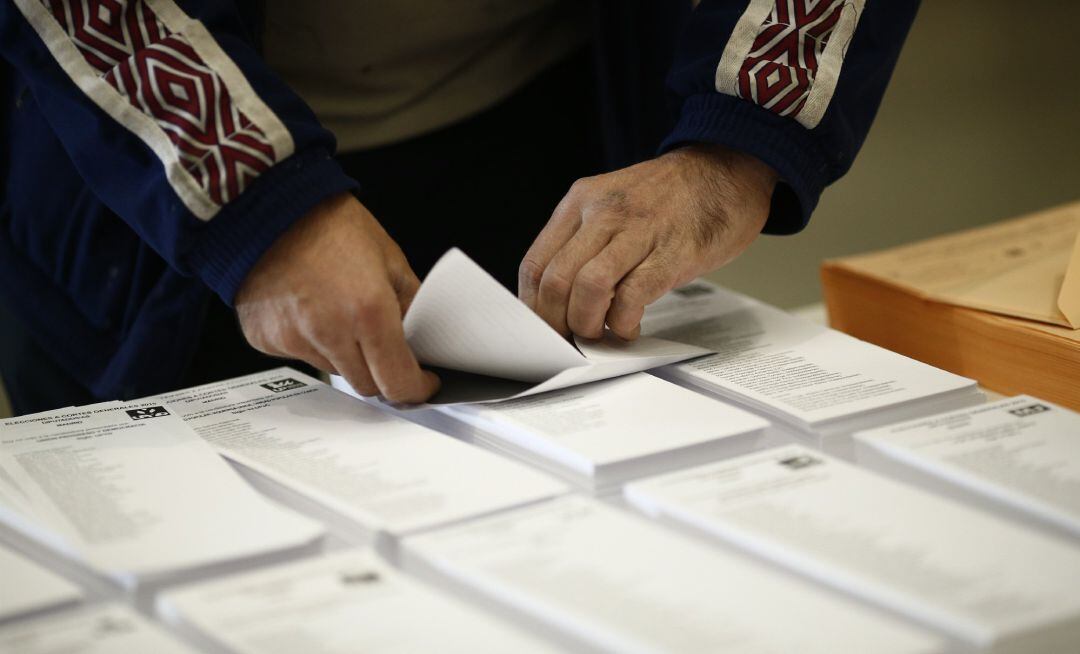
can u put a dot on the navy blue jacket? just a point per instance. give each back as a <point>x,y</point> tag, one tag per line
<point>150,156</point>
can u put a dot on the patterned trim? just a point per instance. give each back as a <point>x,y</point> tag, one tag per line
<point>162,75</point>
<point>786,55</point>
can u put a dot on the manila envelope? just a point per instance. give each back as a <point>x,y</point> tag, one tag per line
<point>1026,267</point>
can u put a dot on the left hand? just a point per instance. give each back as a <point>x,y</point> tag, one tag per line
<point>619,241</point>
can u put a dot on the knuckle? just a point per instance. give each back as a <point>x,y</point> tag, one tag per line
<point>318,330</point>
<point>629,294</point>
<point>530,272</point>
<point>594,281</point>
<point>555,283</point>
<point>581,185</point>
<point>288,341</point>
<point>369,312</point>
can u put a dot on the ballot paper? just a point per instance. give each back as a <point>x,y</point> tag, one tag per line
<point>486,345</point>
<point>1020,453</point>
<point>26,587</point>
<point>372,473</point>
<point>132,493</point>
<point>341,604</point>
<point>821,383</point>
<point>1028,267</point>
<point>99,629</point>
<point>618,583</point>
<point>601,434</point>
<point>979,579</point>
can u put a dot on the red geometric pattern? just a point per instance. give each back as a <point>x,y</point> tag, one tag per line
<point>779,70</point>
<point>162,75</point>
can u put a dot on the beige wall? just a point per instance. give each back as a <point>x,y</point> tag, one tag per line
<point>981,122</point>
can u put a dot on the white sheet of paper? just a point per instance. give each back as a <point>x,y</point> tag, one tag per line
<point>28,587</point>
<point>980,578</point>
<point>98,629</point>
<point>341,604</point>
<point>1020,451</point>
<point>786,365</point>
<point>621,584</point>
<point>133,492</point>
<point>383,472</point>
<point>463,319</point>
<point>610,422</point>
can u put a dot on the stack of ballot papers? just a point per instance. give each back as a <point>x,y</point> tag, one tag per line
<point>369,474</point>
<point>133,494</point>
<point>26,587</point>
<point>601,434</point>
<point>99,629</point>
<point>620,584</point>
<point>822,384</point>
<point>1019,456</point>
<point>981,580</point>
<point>342,604</point>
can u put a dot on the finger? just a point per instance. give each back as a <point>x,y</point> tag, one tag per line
<point>307,355</point>
<point>320,362</point>
<point>641,287</point>
<point>405,284</point>
<point>407,290</point>
<point>392,364</point>
<point>557,281</point>
<point>321,340</point>
<point>594,286</point>
<point>562,225</point>
<point>348,359</point>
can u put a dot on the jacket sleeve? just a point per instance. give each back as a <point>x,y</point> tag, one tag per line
<point>175,123</point>
<point>795,83</point>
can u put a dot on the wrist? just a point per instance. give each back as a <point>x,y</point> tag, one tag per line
<point>710,158</point>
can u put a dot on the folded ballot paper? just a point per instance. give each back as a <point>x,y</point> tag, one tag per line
<point>98,629</point>
<point>981,580</point>
<point>130,493</point>
<point>599,435</point>
<point>29,587</point>
<point>819,383</point>
<point>1019,457</point>
<point>345,603</point>
<point>615,582</point>
<point>486,345</point>
<point>369,474</point>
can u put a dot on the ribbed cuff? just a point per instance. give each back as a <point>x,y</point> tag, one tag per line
<point>233,240</point>
<point>780,142</point>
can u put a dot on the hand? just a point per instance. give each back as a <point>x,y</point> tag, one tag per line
<point>332,291</point>
<point>619,241</point>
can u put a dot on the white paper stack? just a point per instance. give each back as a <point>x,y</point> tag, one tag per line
<point>599,435</point>
<point>130,492</point>
<point>26,587</point>
<point>620,584</point>
<point>341,604</point>
<point>822,384</point>
<point>979,579</point>
<point>368,473</point>
<point>100,629</point>
<point>1019,456</point>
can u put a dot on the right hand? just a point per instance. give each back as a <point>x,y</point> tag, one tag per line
<point>332,291</point>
